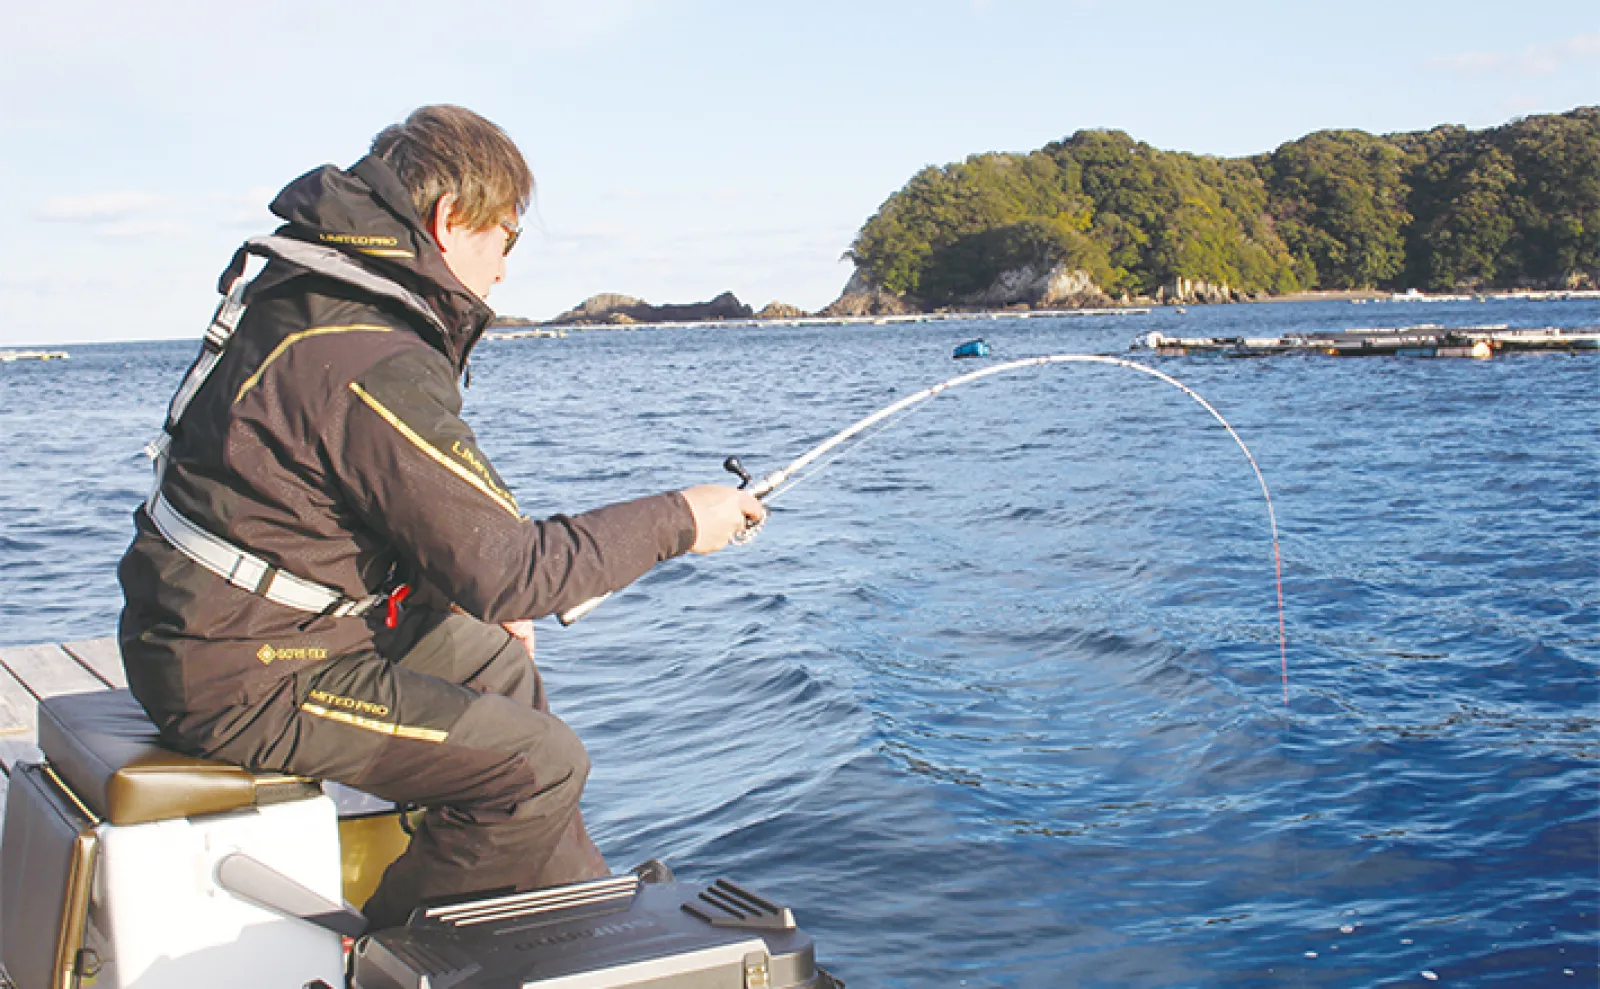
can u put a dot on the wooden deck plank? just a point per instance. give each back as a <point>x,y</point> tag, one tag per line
<point>18,742</point>
<point>102,657</point>
<point>48,670</point>
<point>19,748</point>
<point>41,671</point>
<point>28,673</point>
<point>16,705</point>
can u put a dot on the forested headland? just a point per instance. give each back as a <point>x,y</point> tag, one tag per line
<point>1101,217</point>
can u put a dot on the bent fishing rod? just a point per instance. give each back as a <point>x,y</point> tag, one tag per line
<point>785,478</point>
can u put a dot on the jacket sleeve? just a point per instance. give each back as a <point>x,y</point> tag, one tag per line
<point>413,471</point>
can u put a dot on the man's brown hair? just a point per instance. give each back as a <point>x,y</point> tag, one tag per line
<point>442,150</point>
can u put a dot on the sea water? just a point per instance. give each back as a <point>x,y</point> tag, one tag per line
<point>996,699</point>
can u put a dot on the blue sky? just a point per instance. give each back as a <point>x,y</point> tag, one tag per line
<point>681,149</point>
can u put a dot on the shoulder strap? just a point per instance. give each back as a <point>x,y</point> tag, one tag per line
<point>325,261</point>
<point>238,566</point>
<point>218,333</point>
<point>340,266</point>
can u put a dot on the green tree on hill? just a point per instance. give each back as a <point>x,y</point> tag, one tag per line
<point>1134,217</point>
<point>1513,205</point>
<point>1555,206</point>
<point>1163,215</point>
<point>939,206</point>
<point>1463,198</point>
<point>1338,199</point>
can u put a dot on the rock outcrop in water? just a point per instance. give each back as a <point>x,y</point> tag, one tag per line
<point>781,310</point>
<point>1185,291</point>
<point>611,308</point>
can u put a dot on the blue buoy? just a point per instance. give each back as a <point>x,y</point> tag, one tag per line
<point>972,348</point>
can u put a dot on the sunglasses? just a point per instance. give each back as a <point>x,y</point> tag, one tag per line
<point>512,233</point>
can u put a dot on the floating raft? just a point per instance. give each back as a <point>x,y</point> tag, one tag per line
<point>7,356</point>
<point>1547,295</point>
<point>534,334</point>
<point>1426,340</point>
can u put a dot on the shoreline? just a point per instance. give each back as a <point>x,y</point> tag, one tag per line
<point>522,328</point>
<point>1328,295</point>
<point>517,327</point>
<point>932,317</point>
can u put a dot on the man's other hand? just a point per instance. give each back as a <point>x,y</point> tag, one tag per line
<point>720,512</point>
<point>522,630</point>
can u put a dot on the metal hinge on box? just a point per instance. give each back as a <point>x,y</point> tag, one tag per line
<point>757,975</point>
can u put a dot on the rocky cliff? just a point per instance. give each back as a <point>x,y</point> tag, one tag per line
<point>1030,286</point>
<point>862,297</point>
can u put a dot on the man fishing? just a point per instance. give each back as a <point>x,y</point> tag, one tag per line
<point>330,578</point>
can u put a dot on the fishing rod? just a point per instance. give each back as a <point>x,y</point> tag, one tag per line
<point>785,478</point>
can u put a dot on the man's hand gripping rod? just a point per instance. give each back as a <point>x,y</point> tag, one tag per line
<point>732,465</point>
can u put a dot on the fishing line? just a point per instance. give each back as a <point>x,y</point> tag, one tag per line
<point>786,478</point>
<point>781,481</point>
<point>862,439</point>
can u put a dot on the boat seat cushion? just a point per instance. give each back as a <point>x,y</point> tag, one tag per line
<point>106,749</point>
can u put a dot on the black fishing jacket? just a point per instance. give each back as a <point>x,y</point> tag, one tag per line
<point>329,442</point>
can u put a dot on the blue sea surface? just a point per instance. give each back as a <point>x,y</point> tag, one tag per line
<point>996,698</point>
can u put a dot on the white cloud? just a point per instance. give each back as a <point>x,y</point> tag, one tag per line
<point>101,207</point>
<point>138,213</point>
<point>242,210</point>
<point>1534,60</point>
<point>145,229</point>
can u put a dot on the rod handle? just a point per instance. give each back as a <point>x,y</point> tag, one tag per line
<point>577,611</point>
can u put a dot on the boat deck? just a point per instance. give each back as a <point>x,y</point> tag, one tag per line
<point>29,674</point>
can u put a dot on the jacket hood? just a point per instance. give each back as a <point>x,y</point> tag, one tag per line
<point>366,212</point>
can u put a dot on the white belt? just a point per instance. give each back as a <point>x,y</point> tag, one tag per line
<point>249,572</point>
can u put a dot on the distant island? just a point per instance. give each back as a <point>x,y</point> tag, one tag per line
<point>1100,219</point>
<point>611,309</point>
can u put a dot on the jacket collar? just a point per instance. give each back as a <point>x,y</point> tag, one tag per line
<point>366,213</point>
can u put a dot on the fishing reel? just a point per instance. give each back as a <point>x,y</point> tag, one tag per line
<point>734,467</point>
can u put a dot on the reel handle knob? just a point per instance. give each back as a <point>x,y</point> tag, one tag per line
<point>733,466</point>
